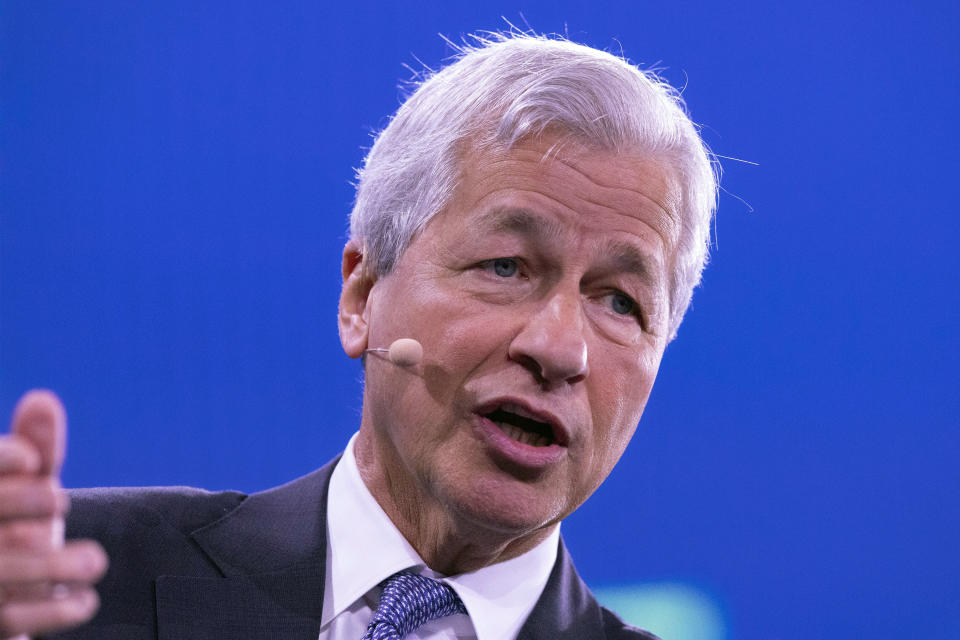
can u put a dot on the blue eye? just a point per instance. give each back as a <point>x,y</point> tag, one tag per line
<point>622,303</point>
<point>505,267</point>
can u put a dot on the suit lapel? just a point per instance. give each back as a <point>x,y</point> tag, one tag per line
<point>271,550</point>
<point>566,609</point>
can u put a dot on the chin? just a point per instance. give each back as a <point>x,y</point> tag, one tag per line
<point>514,510</point>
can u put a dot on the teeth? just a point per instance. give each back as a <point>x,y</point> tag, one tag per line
<point>520,411</point>
<point>524,437</point>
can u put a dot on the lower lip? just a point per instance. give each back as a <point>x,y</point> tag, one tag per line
<point>509,450</point>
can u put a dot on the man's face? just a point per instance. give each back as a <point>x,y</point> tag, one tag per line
<point>540,295</point>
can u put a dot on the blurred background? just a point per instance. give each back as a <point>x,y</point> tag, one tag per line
<point>175,180</point>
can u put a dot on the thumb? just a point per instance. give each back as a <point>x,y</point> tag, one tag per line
<point>40,419</point>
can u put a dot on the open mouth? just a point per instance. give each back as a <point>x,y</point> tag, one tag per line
<point>518,425</point>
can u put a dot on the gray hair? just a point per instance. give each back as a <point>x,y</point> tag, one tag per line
<point>508,87</point>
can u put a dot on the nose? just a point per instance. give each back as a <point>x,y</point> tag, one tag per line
<point>552,343</point>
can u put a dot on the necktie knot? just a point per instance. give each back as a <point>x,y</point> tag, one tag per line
<point>409,601</point>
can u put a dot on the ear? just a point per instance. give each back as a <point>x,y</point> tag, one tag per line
<point>352,316</point>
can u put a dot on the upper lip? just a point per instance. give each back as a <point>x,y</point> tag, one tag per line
<point>523,407</point>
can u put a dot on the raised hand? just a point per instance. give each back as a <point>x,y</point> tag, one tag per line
<point>45,584</point>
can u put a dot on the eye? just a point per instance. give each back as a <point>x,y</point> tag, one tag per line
<point>503,267</point>
<point>622,304</point>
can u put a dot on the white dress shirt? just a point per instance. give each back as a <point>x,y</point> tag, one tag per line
<point>364,547</point>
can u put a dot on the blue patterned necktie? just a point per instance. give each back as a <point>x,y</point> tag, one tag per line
<point>408,601</point>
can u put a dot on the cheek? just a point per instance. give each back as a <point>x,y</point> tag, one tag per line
<point>458,335</point>
<point>619,399</point>
<point>648,364</point>
<point>460,328</point>
<point>616,426</point>
<point>455,350</point>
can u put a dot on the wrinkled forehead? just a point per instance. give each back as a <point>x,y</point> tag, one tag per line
<point>555,151</point>
<point>587,181</point>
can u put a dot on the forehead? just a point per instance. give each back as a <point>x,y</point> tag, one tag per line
<point>540,188</point>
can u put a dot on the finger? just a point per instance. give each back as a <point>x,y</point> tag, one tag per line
<point>39,417</point>
<point>28,535</point>
<point>31,497</point>
<point>36,591</point>
<point>81,561</point>
<point>67,610</point>
<point>17,456</point>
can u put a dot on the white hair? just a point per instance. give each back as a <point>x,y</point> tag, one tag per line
<point>508,87</point>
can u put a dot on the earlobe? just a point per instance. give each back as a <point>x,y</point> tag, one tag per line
<point>352,315</point>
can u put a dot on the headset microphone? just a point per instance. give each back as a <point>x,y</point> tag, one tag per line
<point>405,352</point>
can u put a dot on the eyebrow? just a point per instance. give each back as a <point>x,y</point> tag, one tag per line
<point>520,221</point>
<point>627,258</point>
<point>621,256</point>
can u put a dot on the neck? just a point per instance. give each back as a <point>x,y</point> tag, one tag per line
<point>446,541</point>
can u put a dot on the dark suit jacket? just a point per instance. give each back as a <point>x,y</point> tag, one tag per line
<point>190,564</point>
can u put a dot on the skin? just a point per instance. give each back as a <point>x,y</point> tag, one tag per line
<point>547,325</point>
<point>45,584</point>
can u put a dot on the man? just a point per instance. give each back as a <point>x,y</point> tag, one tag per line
<point>536,216</point>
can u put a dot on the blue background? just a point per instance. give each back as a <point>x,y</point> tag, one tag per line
<point>174,189</point>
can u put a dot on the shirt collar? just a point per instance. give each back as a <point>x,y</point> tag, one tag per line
<point>364,547</point>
